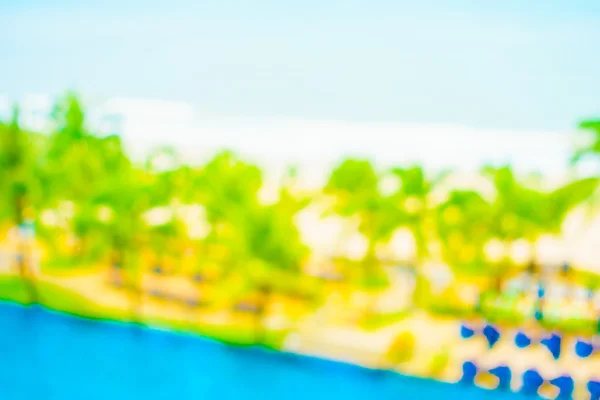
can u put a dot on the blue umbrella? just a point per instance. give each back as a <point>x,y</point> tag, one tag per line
<point>583,348</point>
<point>469,372</point>
<point>522,340</point>
<point>594,388</point>
<point>504,375</point>
<point>553,344</point>
<point>466,332</point>
<point>532,380</point>
<point>565,385</point>
<point>159,294</point>
<point>541,292</point>
<point>491,334</point>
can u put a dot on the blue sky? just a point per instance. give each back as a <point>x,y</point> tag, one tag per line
<point>524,65</point>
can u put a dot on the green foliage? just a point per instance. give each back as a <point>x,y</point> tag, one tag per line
<point>439,363</point>
<point>463,227</point>
<point>57,298</point>
<point>354,184</point>
<point>593,147</point>
<point>374,321</point>
<point>19,178</point>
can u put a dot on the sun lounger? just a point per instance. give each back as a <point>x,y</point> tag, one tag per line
<point>194,302</point>
<point>247,308</point>
<point>157,270</point>
<point>565,385</point>
<point>189,301</point>
<point>504,375</point>
<point>331,277</point>
<point>171,297</point>
<point>157,293</point>
<point>532,380</point>
<point>118,284</point>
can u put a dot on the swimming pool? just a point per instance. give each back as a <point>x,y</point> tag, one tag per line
<point>51,356</point>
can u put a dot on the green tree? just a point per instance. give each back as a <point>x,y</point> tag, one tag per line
<point>172,186</point>
<point>592,147</point>
<point>17,179</point>
<point>510,219</point>
<point>76,165</point>
<point>354,185</point>
<point>524,212</point>
<point>125,198</point>
<point>412,198</point>
<point>463,227</point>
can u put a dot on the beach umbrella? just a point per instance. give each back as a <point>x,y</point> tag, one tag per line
<point>469,373</point>
<point>532,381</point>
<point>584,348</point>
<point>504,375</point>
<point>554,344</point>
<point>522,340</point>
<point>565,385</point>
<point>466,332</point>
<point>593,386</point>
<point>492,334</point>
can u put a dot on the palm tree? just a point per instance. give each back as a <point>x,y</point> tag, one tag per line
<point>17,177</point>
<point>553,207</point>
<point>464,229</point>
<point>508,219</point>
<point>262,240</point>
<point>275,247</point>
<point>592,146</point>
<point>412,197</point>
<point>524,212</point>
<point>127,198</point>
<point>354,184</point>
<point>462,223</point>
<point>77,165</point>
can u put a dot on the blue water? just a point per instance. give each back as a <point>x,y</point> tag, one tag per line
<point>47,355</point>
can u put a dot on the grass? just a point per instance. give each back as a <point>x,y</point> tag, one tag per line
<point>54,297</point>
<point>572,325</point>
<point>377,321</point>
<point>504,310</point>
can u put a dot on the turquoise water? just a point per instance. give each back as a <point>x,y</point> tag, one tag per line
<point>51,356</point>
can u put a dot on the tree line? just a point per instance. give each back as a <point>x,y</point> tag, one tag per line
<point>91,203</point>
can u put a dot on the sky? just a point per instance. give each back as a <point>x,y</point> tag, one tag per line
<point>387,71</point>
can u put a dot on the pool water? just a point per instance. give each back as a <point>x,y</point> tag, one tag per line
<point>51,356</point>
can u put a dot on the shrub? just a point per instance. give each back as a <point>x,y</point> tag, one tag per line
<point>439,363</point>
<point>402,348</point>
